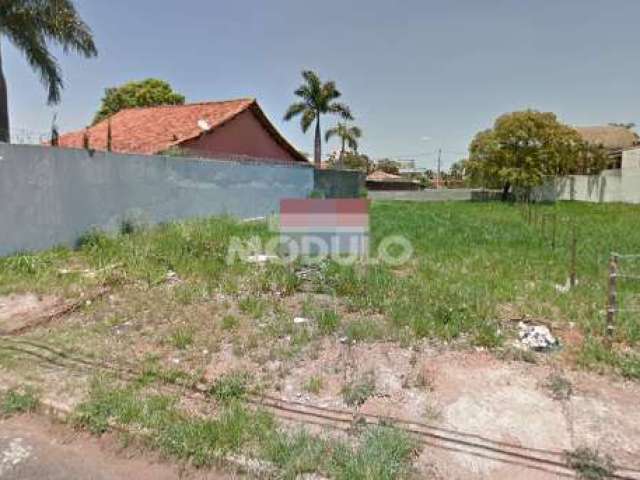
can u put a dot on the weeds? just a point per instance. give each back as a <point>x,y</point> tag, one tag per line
<point>357,392</point>
<point>589,464</point>
<point>381,452</point>
<point>182,337</point>
<point>328,321</point>
<point>230,322</point>
<point>229,387</point>
<point>559,386</point>
<point>17,401</point>
<point>199,441</point>
<point>314,385</point>
<point>253,306</point>
<point>296,454</point>
<point>594,354</point>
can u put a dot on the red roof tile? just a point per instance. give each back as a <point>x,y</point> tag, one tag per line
<point>153,130</point>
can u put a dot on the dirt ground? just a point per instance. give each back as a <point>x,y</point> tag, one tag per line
<point>33,448</point>
<point>475,393</point>
<point>462,391</point>
<point>19,311</point>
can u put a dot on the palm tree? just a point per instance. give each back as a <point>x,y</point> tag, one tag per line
<point>348,135</point>
<point>317,99</point>
<point>29,25</point>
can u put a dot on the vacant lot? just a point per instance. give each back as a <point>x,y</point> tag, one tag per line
<point>144,317</point>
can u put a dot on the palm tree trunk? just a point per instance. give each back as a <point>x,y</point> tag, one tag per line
<point>317,154</point>
<point>341,161</point>
<point>4,107</point>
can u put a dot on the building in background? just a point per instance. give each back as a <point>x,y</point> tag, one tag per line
<point>408,168</point>
<point>236,129</point>
<point>380,180</point>
<point>615,139</point>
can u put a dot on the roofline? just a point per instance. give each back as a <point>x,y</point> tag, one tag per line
<point>262,117</point>
<point>254,107</point>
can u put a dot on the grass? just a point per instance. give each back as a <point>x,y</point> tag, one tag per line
<point>328,321</point>
<point>230,387</point>
<point>380,452</point>
<point>470,260</point>
<point>16,401</point>
<point>230,322</point>
<point>181,338</point>
<point>199,441</point>
<point>314,385</point>
<point>596,355</point>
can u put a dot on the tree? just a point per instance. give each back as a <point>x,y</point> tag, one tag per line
<point>524,147</point>
<point>30,25</point>
<point>628,126</point>
<point>146,93</point>
<point>388,166</point>
<point>352,161</point>
<point>457,169</point>
<point>348,136</point>
<point>317,99</point>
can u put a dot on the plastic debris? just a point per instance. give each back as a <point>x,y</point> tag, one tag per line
<point>261,258</point>
<point>537,337</point>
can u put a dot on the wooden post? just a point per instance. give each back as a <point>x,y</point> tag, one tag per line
<point>573,280</point>
<point>612,306</point>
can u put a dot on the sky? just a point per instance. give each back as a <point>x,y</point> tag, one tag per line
<point>419,75</point>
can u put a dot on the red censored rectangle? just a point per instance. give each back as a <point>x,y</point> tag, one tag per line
<point>310,206</point>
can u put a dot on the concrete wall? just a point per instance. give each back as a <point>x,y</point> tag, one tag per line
<point>50,196</point>
<point>610,186</point>
<point>631,159</point>
<point>339,183</point>
<point>442,195</point>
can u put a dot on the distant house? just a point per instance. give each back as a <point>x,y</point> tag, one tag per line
<point>236,129</point>
<point>380,180</point>
<point>614,139</point>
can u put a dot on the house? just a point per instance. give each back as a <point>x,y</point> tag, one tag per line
<point>380,180</point>
<point>236,129</point>
<point>408,168</point>
<point>614,139</point>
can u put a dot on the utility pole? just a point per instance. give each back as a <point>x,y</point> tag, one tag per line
<point>439,164</point>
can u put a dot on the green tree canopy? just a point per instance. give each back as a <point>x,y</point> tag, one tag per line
<point>32,26</point>
<point>351,161</point>
<point>388,166</point>
<point>524,147</point>
<point>147,93</point>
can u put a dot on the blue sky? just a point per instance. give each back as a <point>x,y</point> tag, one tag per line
<point>419,75</point>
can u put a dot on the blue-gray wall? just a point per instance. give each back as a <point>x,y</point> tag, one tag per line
<point>51,196</point>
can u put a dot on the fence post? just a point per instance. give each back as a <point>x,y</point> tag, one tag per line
<point>612,306</point>
<point>573,275</point>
